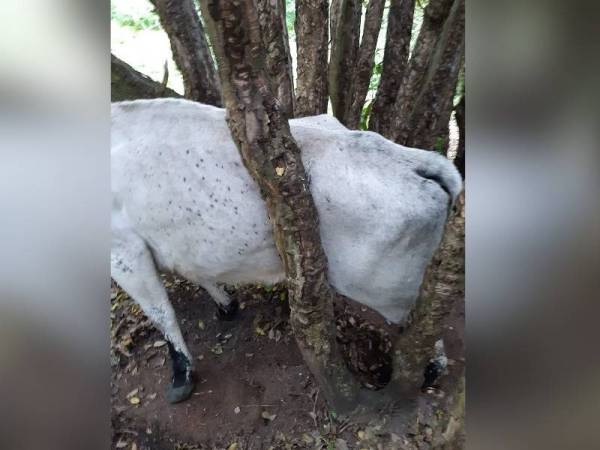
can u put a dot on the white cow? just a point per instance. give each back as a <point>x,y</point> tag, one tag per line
<point>183,201</point>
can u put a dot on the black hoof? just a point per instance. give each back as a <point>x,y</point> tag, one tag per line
<point>228,312</point>
<point>179,392</point>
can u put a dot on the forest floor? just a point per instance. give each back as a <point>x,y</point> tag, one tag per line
<point>253,389</point>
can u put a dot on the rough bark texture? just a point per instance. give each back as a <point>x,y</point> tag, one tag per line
<point>312,45</point>
<point>180,21</point>
<point>271,15</point>
<point>426,124</point>
<point>344,50</point>
<point>460,151</point>
<point>273,159</point>
<point>361,75</point>
<point>443,284</point>
<point>419,93</point>
<point>126,83</point>
<point>395,60</point>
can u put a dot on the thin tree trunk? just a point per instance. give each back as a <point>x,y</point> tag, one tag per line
<point>180,21</point>
<point>434,17</point>
<point>126,83</point>
<point>361,75</point>
<point>312,45</point>
<point>395,60</point>
<point>271,15</point>
<point>426,126</point>
<point>344,49</point>
<point>460,151</point>
<point>443,285</point>
<point>273,159</point>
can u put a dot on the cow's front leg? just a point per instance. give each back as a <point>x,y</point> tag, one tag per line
<point>132,266</point>
<point>227,308</point>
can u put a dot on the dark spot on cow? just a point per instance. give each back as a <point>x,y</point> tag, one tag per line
<point>187,152</point>
<point>184,179</point>
<point>197,165</point>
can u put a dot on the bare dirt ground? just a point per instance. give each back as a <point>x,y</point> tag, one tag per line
<point>253,390</point>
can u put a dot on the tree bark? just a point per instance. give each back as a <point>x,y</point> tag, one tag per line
<point>126,83</point>
<point>361,75</point>
<point>344,49</point>
<point>426,123</point>
<point>180,21</point>
<point>312,45</point>
<point>395,60</point>
<point>459,161</point>
<point>271,15</point>
<point>273,159</point>
<point>418,87</point>
<point>443,285</point>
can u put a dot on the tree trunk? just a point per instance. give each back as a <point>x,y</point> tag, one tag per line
<point>273,159</point>
<point>312,45</point>
<point>460,151</point>
<point>271,15</point>
<point>180,20</point>
<point>443,285</point>
<point>426,125</point>
<point>344,49</point>
<point>361,75</point>
<point>434,17</point>
<point>395,60</point>
<point>126,83</point>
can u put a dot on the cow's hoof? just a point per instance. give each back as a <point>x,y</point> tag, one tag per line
<point>228,312</point>
<point>178,393</point>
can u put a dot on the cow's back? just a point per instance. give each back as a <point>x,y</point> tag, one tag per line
<point>178,180</point>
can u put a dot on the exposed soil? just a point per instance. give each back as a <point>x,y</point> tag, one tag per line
<point>253,388</point>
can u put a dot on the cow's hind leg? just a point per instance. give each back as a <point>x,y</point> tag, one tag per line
<point>132,266</point>
<point>226,306</point>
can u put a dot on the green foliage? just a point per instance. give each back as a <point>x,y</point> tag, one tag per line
<point>146,21</point>
<point>440,146</point>
<point>290,16</point>
<point>364,116</point>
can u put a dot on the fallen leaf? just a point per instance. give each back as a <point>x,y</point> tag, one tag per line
<point>361,435</point>
<point>233,446</point>
<point>201,325</point>
<point>151,396</point>
<point>270,417</point>
<point>236,410</point>
<point>307,439</point>
<point>121,444</point>
<point>243,305</point>
<point>217,349</point>
<point>133,446</point>
<point>134,400</point>
<point>159,343</point>
<point>279,171</point>
<point>259,331</point>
